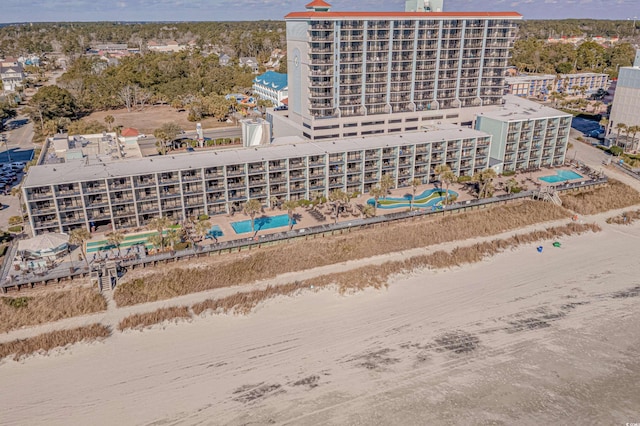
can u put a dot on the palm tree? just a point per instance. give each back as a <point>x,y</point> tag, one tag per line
<point>201,229</point>
<point>109,120</point>
<point>174,236</point>
<point>439,169</point>
<point>338,197</point>
<point>78,237</point>
<point>634,131</point>
<point>369,211</point>
<point>162,138</point>
<point>115,239</point>
<point>377,192</point>
<point>290,206</point>
<point>252,208</point>
<point>620,127</point>
<point>415,183</point>
<point>448,177</point>
<point>604,123</point>
<point>511,183</point>
<point>158,224</point>
<point>386,183</point>
<point>484,179</point>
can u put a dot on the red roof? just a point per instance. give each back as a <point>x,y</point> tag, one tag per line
<point>429,15</point>
<point>130,132</point>
<point>318,3</point>
<point>285,101</point>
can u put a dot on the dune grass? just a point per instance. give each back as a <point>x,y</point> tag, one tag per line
<point>139,321</point>
<point>16,312</point>
<point>55,339</point>
<point>377,276</point>
<point>625,218</point>
<point>614,195</point>
<point>243,268</point>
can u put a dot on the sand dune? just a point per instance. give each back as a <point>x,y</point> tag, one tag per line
<point>523,338</point>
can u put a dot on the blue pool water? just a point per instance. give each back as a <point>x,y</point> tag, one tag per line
<point>215,231</point>
<point>428,198</point>
<point>262,223</point>
<point>561,176</point>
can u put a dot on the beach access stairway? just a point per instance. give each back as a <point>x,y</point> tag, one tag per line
<point>550,195</point>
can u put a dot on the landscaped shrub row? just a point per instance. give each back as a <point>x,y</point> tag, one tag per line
<point>300,255</point>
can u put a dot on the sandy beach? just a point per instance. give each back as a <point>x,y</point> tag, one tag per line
<point>522,338</point>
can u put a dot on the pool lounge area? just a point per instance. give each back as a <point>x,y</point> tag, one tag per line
<point>561,176</point>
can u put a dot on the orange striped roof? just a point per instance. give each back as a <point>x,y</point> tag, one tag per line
<point>317,3</point>
<point>401,15</point>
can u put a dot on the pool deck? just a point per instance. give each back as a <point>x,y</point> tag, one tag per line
<point>307,218</point>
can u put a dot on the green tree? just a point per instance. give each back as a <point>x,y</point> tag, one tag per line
<point>511,184</point>
<point>484,180</point>
<point>78,237</point>
<point>633,130</point>
<point>387,183</point>
<point>590,56</point>
<point>7,112</point>
<point>115,238</point>
<point>620,127</point>
<point>51,103</point>
<point>290,206</point>
<point>109,120</point>
<point>158,224</point>
<point>377,192</point>
<point>415,183</point>
<point>251,208</point>
<point>448,177</point>
<point>338,198</point>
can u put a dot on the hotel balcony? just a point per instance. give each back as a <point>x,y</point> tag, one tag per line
<point>92,189</point>
<point>190,177</point>
<point>236,184</point>
<point>235,171</point>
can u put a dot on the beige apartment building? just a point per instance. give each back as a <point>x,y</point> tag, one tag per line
<point>364,73</point>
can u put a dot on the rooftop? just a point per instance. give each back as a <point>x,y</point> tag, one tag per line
<point>517,108</point>
<point>96,168</point>
<point>527,78</point>
<point>401,15</point>
<point>273,79</point>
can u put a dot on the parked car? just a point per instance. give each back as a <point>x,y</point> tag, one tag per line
<point>190,149</point>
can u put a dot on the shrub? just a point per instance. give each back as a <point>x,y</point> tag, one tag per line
<point>203,217</point>
<point>182,246</point>
<point>299,255</point>
<point>464,179</point>
<point>138,321</point>
<point>3,250</point>
<point>508,173</point>
<point>15,229</point>
<point>615,150</point>
<point>237,140</point>
<point>16,312</point>
<point>55,339</point>
<point>14,220</point>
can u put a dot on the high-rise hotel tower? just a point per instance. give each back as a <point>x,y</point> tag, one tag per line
<point>362,73</point>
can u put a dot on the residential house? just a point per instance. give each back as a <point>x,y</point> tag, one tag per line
<point>12,74</point>
<point>271,86</point>
<point>251,62</point>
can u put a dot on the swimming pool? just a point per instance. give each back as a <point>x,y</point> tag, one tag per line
<point>561,176</point>
<point>262,223</point>
<point>429,198</point>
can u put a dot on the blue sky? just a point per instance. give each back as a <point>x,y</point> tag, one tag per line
<point>221,10</point>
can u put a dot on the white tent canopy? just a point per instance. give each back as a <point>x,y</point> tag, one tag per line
<point>45,244</point>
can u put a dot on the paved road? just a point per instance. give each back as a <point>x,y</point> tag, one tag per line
<point>19,132</point>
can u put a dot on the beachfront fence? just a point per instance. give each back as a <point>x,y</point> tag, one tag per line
<point>79,269</point>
